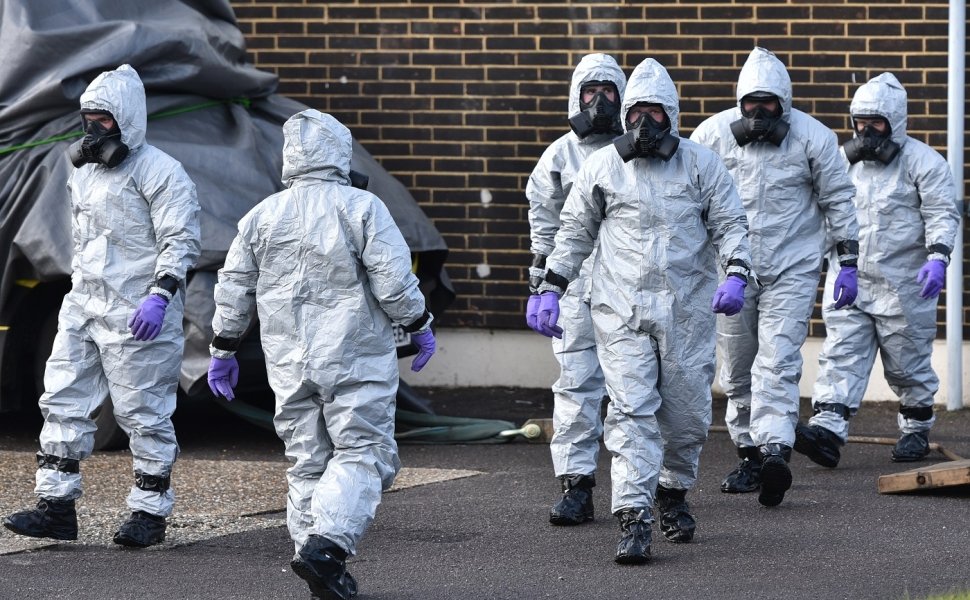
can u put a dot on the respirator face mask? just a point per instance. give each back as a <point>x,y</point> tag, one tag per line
<point>647,139</point>
<point>759,123</point>
<point>599,115</point>
<point>871,144</point>
<point>99,145</point>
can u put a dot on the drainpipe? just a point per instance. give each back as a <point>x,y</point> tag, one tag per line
<point>956,95</point>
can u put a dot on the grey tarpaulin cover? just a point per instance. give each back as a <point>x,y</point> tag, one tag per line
<point>225,130</point>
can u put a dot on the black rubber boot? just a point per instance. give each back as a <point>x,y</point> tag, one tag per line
<point>53,518</point>
<point>912,447</point>
<point>576,505</point>
<point>141,530</point>
<point>676,523</point>
<point>819,444</point>
<point>747,476</point>
<point>775,474</point>
<point>322,564</point>
<point>634,546</point>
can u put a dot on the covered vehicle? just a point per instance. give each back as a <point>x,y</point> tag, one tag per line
<point>208,108</point>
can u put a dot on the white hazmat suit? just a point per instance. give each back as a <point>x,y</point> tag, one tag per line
<point>907,214</point>
<point>133,225</point>
<point>794,193</point>
<point>327,271</point>
<point>579,391</point>
<point>658,224</point>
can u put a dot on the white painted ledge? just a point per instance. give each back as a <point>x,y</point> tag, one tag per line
<point>483,357</point>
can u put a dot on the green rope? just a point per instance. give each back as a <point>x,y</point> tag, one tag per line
<point>56,138</point>
<point>245,102</point>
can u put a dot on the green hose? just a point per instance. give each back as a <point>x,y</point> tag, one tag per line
<point>440,429</point>
<point>409,426</point>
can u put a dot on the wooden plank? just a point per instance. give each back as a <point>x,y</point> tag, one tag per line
<point>924,478</point>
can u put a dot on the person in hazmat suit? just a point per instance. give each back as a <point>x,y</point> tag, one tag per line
<point>595,94</point>
<point>795,190</point>
<point>119,333</point>
<point>326,270</point>
<point>666,216</point>
<point>908,218</point>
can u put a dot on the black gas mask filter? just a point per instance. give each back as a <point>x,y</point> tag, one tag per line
<point>647,139</point>
<point>870,144</point>
<point>759,124</point>
<point>359,180</point>
<point>600,115</point>
<point>99,145</point>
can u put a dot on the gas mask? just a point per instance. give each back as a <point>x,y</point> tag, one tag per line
<point>759,124</point>
<point>871,145</point>
<point>99,145</point>
<point>647,138</point>
<point>599,116</point>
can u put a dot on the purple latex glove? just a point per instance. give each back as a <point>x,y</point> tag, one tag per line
<point>146,323</point>
<point>425,342</point>
<point>223,376</point>
<point>934,273</point>
<point>548,315</point>
<point>846,287</point>
<point>532,312</point>
<point>729,297</point>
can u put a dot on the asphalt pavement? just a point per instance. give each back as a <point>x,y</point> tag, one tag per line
<point>487,536</point>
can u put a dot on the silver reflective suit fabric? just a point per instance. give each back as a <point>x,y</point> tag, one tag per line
<point>794,194</point>
<point>903,208</point>
<point>131,225</point>
<point>327,271</point>
<point>579,391</point>
<point>662,227</point>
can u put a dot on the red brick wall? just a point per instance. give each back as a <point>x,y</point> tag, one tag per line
<point>459,98</point>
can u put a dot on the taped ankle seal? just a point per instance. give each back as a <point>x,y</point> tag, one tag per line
<point>152,483</point>
<point>56,463</point>
<point>839,409</point>
<point>917,413</point>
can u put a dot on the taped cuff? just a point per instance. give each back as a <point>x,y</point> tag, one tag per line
<point>420,323</point>
<point>557,280</point>
<point>225,344</point>
<point>839,409</point>
<point>168,283</point>
<point>158,291</point>
<point>739,268</point>
<point>848,251</point>
<point>152,483</point>
<point>917,413</point>
<point>56,463</point>
<point>536,270</point>
<point>940,252</point>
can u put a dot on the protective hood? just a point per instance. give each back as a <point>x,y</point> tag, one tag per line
<point>595,67</point>
<point>121,93</point>
<point>650,83</point>
<point>883,96</point>
<point>317,146</point>
<point>763,72</point>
